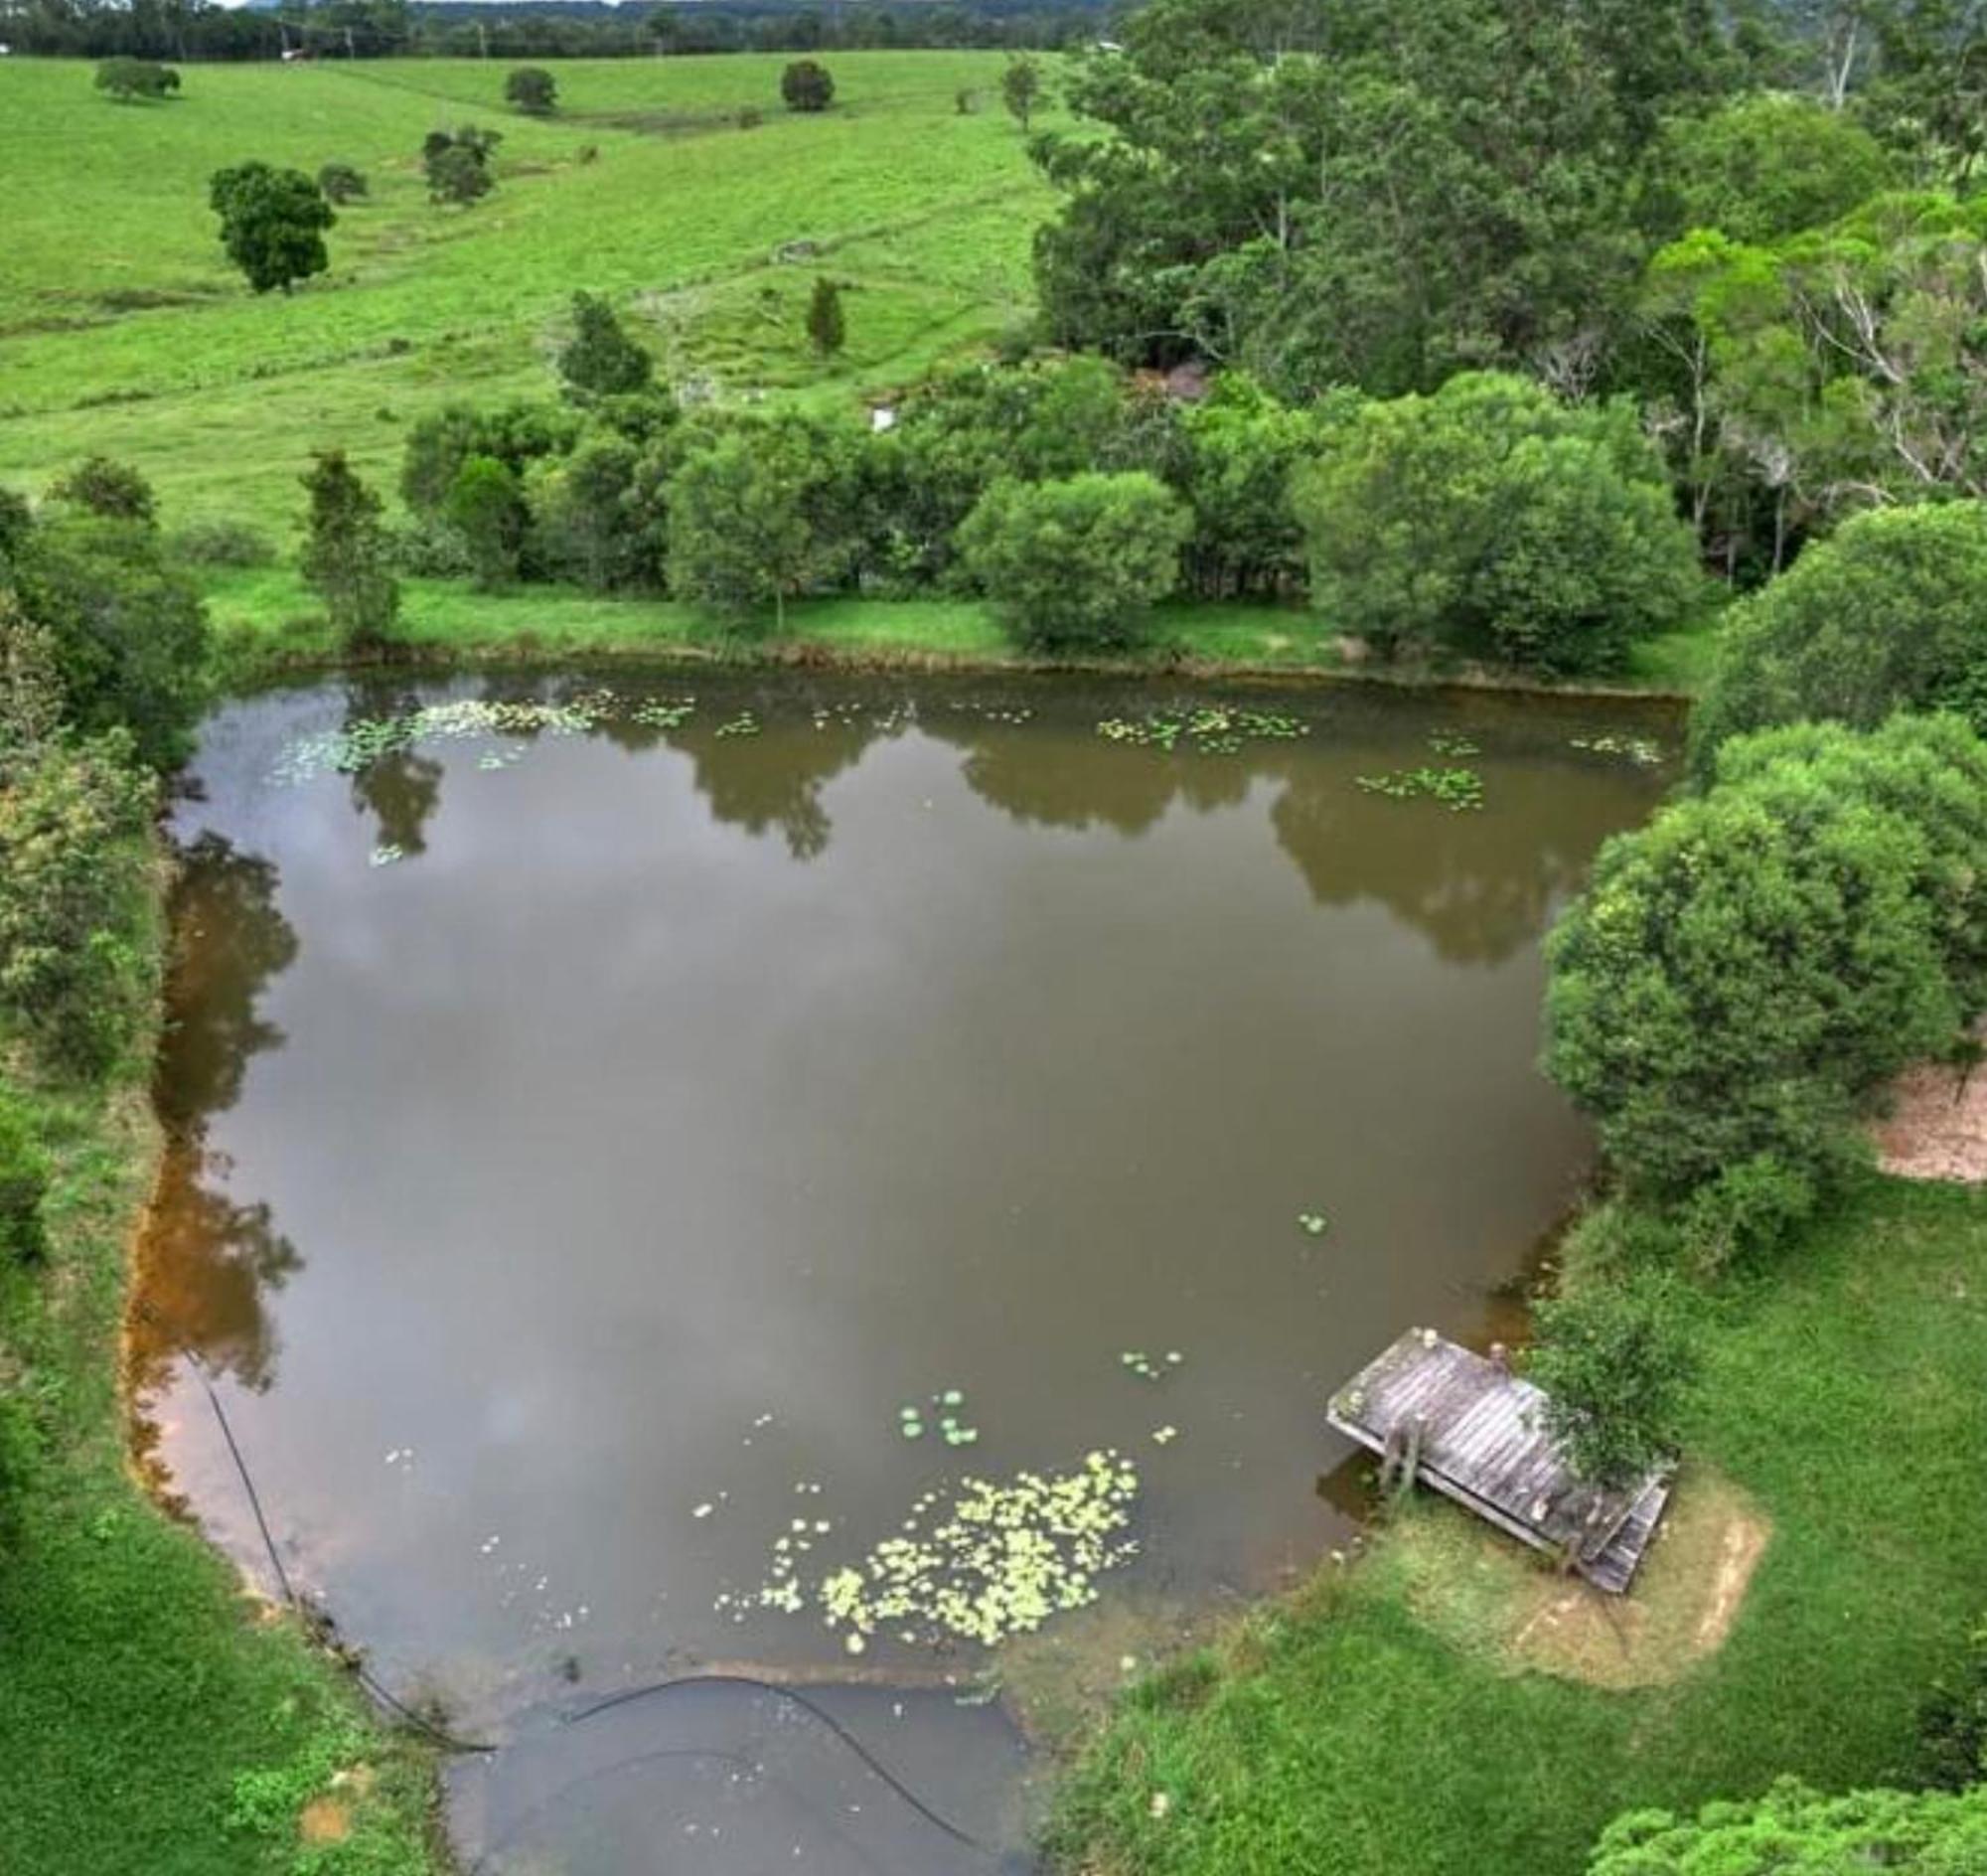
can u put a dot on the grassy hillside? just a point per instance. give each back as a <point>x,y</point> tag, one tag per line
<point>123,330</point>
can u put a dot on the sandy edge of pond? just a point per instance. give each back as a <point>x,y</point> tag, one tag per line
<point>1935,1123</point>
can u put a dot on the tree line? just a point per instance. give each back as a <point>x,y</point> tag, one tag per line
<point>189,30</point>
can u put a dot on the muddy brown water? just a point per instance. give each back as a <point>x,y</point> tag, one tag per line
<point>586,1143</point>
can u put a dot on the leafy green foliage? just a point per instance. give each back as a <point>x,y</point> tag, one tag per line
<point>127,81</point>
<point>457,164</point>
<point>127,629</point>
<point>762,512</point>
<point>806,86</point>
<point>1795,1830</point>
<point>1765,166</point>
<point>272,224</point>
<point>109,488</point>
<point>1076,561</point>
<point>1490,519</point>
<point>1889,613</point>
<point>826,332</point>
<point>24,1182</point>
<point>341,183</point>
<point>487,508</point>
<point>1743,971</point>
<point>601,360</point>
<point>1952,1722</point>
<point>72,864</point>
<point>1616,1361</point>
<point>1021,88</point>
<point>532,89</point>
<point>516,435</point>
<point>345,558</point>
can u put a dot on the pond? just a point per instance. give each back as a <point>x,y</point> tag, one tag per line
<point>642,1142</point>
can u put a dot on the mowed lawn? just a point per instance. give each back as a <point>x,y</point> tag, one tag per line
<point>124,329</point>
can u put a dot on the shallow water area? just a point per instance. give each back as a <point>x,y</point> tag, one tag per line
<point>644,1142</point>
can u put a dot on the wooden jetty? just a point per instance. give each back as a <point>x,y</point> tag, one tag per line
<point>1472,1430</point>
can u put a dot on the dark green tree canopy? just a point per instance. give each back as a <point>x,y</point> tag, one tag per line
<point>532,89</point>
<point>346,557</point>
<point>457,163</point>
<point>806,86</point>
<point>272,224</point>
<point>601,360</point>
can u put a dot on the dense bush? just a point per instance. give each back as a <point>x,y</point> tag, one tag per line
<point>601,360</point>
<point>127,629</point>
<point>1077,561</point>
<point>341,183</point>
<point>1492,521</point>
<point>1794,1830</point>
<point>1952,1722</point>
<point>532,89</point>
<point>128,79</point>
<point>1746,969</point>
<point>71,868</point>
<point>763,511</point>
<point>486,509</point>
<point>272,224</point>
<point>24,1182</point>
<point>1888,614</point>
<point>347,557</point>
<point>1616,1360</point>
<point>806,86</point>
<point>516,435</point>
<point>109,488</point>
<point>457,163</point>
<point>217,543</point>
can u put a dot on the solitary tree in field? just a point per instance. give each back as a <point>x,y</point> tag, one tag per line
<point>109,488</point>
<point>825,328</point>
<point>272,224</point>
<point>126,81</point>
<point>1021,87</point>
<point>345,559</point>
<point>457,163</point>
<point>532,89</point>
<point>601,359</point>
<point>341,183</point>
<point>806,86</point>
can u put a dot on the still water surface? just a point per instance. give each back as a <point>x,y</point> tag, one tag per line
<point>586,1145</point>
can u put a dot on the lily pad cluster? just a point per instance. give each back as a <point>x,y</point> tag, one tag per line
<point>953,1430</point>
<point>1643,751</point>
<point>999,1558</point>
<point>1451,744</point>
<point>1459,790</point>
<point>1206,729</point>
<point>386,853</point>
<point>356,747</point>
<point>744,725</point>
<point>1142,1365</point>
<point>1312,1222</point>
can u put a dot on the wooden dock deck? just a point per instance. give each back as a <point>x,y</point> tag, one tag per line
<point>1476,1432</point>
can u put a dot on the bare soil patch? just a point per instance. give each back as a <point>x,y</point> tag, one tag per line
<point>1937,1127</point>
<point>1492,1597</point>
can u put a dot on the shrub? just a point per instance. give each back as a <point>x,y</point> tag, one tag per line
<point>1952,1722</point>
<point>532,89</point>
<point>24,1182</point>
<point>272,224</point>
<point>109,488</point>
<point>214,542</point>
<point>486,508</point>
<point>31,689</point>
<point>346,558</point>
<point>806,86</point>
<point>71,872</point>
<point>457,163</point>
<point>1890,613</point>
<point>601,360</point>
<point>129,631</point>
<point>1616,1360</point>
<point>1742,973</point>
<point>128,79</point>
<point>341,183</point>
<point>1077,561</point>
<point>517,435</point>
<point>827,330</point>
<point>1794,1830</point>
<point>1489,519</point>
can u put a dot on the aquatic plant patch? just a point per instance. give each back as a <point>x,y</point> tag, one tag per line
<point>1459,790</point>
<point>1204,730</point>
<point>1643,751</point>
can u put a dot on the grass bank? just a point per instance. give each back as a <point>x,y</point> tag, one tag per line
<point>269,621</point>
<point>152,1719</point>
<point>1339,1731</point>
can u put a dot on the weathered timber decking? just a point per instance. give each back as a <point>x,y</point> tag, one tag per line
<point>1479,1436</point>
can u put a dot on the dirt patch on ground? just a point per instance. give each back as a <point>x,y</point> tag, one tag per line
<point>1494,1597</point>
<point>1937,1127</point>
